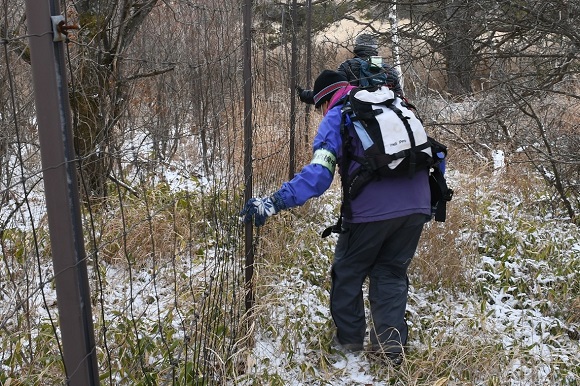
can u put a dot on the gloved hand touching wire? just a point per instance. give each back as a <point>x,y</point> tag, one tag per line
<point>262,208</point>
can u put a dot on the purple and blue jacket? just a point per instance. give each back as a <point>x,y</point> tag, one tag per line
<point>382,199</point>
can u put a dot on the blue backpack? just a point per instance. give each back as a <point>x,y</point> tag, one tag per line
<point>371,73</point>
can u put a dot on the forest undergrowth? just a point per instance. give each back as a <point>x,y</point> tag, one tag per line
<point>494,294</point>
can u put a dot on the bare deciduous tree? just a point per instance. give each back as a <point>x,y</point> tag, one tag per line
<point>101,89</point>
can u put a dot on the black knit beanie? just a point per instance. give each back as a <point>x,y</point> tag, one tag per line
<point>326,84</point>
<point>365,45</point>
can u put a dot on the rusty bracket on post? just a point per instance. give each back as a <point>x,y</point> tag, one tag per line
<point>60,28</point>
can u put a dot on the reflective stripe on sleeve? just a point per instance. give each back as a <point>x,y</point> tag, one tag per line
<point>325,158</point>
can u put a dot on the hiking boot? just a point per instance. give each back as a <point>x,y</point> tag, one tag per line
<point>346,347</point>
<point>380,353</point>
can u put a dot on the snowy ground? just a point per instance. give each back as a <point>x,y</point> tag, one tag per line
<point>509,315</point>
<point>506,317</point>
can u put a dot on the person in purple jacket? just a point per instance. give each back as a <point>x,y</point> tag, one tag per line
<point>379,235</point>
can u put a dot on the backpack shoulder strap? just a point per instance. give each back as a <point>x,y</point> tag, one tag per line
<point>346,112</point>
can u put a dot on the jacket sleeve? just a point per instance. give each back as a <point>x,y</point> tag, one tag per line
<point>343,68</point>
<point>351,69</point>
<point>314,178</point>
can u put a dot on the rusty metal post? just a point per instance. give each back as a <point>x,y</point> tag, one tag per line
<point>248,149</point>
<point>293,66</point>
<point>308,70</point>
<point>61,190</point>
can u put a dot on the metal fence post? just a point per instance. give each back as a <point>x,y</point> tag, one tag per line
<point>248,146</point>
<point>293,65</point>
<point>62,197</point>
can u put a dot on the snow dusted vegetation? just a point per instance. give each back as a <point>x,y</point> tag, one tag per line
<point>493,299</point>
<point>494,296</point>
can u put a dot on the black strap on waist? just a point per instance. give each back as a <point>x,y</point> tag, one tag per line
<point>440,194</point>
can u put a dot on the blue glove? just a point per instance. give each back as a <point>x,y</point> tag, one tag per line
<point>262,208</point>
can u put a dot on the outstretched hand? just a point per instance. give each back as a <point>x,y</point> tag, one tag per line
<point>306,96</point>
<point>260,209</point>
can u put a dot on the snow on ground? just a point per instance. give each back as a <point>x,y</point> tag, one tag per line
<point>500,316</point>
<point>534,343</point>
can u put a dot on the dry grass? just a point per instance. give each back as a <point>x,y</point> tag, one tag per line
<point>447,347</point>
<point>147,229</point>
<point>575,311</point>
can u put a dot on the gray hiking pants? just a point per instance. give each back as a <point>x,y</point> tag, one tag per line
<point>381,251</point>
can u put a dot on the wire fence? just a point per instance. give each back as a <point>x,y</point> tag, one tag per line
<point>159,144</point>
<point>156,94</point>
